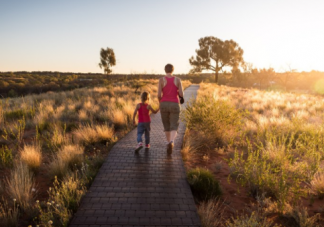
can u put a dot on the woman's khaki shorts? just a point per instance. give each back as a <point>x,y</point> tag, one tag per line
<point>170,115</point>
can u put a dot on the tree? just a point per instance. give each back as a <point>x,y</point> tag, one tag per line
<point>263,76</point>
<point>287,77</point>
<point>223,53</point>
<point>107,59</point>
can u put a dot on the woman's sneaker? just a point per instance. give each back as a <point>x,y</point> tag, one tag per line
<point>139,146</point>
<point>170,147</point>
<point>147,146</point>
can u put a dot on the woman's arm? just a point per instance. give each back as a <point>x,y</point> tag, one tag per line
<point>180,88</point>
<point>160,89</point>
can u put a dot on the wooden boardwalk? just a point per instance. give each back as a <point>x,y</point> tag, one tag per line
<point>147,188</point>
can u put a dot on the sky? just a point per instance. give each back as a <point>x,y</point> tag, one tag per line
<point>66,36</point>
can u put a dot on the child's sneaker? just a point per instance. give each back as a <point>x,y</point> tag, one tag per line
<point>139,146</point>
<point>147,146</point>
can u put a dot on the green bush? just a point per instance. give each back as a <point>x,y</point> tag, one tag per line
<point>5,156</point>
<point>15,114</point>
<point>203,184</point>
<point>20,113</point>
<point>12,93</point>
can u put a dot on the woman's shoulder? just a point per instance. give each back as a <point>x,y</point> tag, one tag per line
<point>177,81</point>
<point>177,78</point>
<point>162,78</point>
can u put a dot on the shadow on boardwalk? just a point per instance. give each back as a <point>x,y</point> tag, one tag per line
<point>148,188</point>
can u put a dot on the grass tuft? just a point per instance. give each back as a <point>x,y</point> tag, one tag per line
<point>90,134</point>
<point>211,213</point>
<point>32,156</point>
<point>67,158</point>
<point>20,185</point>
<point>317,184</point>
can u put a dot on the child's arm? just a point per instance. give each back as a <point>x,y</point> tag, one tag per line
<point>153,111</point>
<point>135,113</point>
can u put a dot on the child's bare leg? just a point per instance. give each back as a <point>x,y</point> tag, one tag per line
<point>168,136</point>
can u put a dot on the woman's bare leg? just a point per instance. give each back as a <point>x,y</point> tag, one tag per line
<point>173,135</point>
<point>168,136</point>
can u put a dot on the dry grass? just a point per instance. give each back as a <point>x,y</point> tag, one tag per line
<point>211,213</point>
<point>58,168</point>
<point>188,149</point>
<point>66,159</point>
<point>281,131</point>
<point>118,117</point>
<point>9,216</point>
<point>71,154</point>
<point>89,134</point>
<point>301,217</point>
<point>58,136</point>
<point>317,184</point>
<point>21,185</point>
<point>1,114</point>
<point>32,156</point>
<point>102,108</point>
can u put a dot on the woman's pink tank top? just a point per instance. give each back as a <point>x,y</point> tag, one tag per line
<point>143,113</point>
<point>170,91</point>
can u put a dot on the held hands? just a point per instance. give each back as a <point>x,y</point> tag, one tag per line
<point>181,99</point>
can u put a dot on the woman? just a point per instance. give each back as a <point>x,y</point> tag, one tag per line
<point>169,89</point>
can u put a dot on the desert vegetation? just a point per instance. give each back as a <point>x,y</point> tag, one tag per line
<point>266,150</point>
<point>17,84</point>
<point>53,144</point>
<point>22,83</point>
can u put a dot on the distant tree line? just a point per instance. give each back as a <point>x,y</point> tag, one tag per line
<point>14,84</point>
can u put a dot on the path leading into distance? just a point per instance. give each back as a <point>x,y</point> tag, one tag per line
<point>144,189</point>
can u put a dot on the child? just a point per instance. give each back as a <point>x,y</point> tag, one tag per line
<point>144,120</point>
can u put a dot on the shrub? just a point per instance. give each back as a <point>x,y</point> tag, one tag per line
<point>20,185</point>
<point>93,165</point>
<point>12,93</point>
<point>64,198</point>
<point>247,221</point>
<point>203,184</point>
<point>5,156</point>
<point>277,168</point>
<point>32,156</point>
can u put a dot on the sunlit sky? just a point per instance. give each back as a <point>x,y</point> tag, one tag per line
<point>66,35</point>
